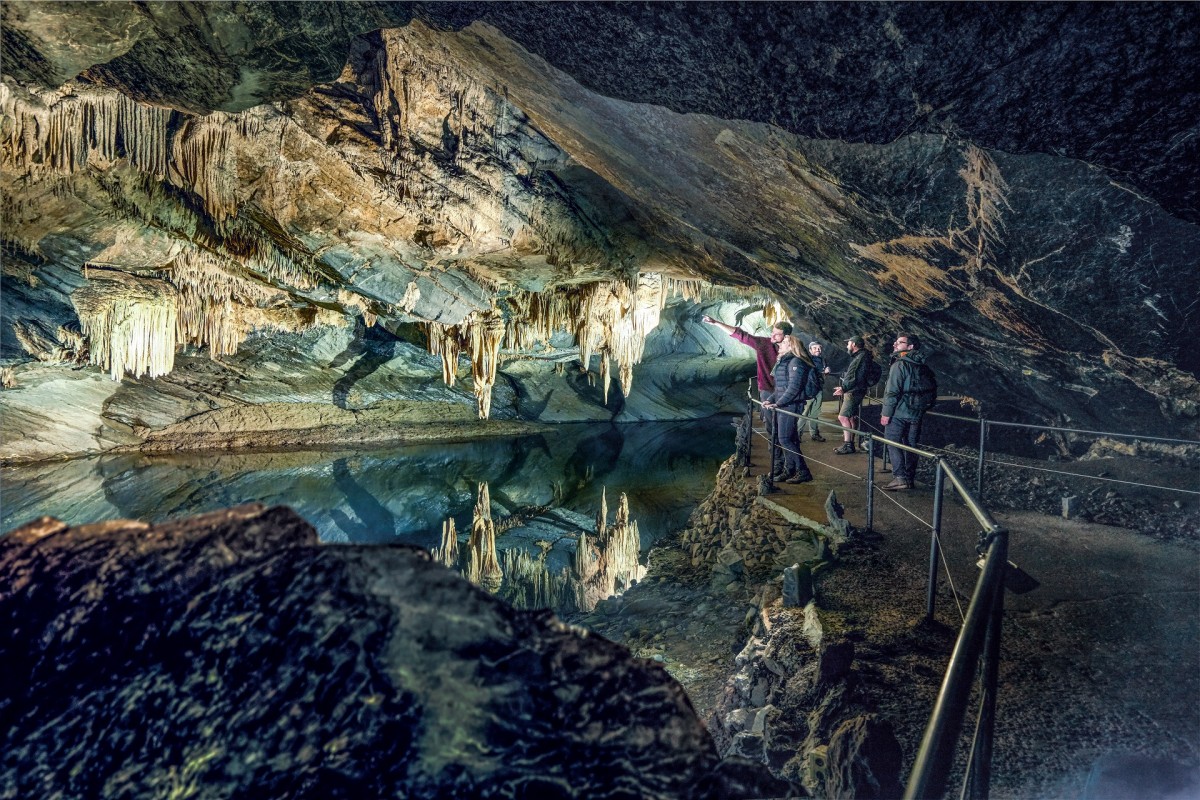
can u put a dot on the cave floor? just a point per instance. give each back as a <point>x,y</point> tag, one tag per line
<point>1098,682</point>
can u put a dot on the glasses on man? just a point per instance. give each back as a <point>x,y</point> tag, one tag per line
<point>902,341</point>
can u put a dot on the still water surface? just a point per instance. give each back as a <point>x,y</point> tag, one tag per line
<point>400,494</point>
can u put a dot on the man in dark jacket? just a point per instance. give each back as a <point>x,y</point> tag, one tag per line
<point>812,409</point>
<point>911,391</point>
<point>852,391</point>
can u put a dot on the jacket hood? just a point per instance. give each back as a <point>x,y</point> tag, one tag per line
<point>917,356</point>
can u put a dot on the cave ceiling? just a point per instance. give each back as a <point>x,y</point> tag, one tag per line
<point>1016,182</point>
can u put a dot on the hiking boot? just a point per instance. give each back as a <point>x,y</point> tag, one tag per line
<point>898,485</point>
<point>800,477</point>
<point>845,450</point>
<point>779,477</point>
<point>816,437</point>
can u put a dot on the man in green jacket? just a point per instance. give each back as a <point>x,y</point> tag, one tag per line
<point>911,391</point>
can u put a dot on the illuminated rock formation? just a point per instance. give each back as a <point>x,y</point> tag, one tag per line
<point>129,323</point>
<point>444,176</point>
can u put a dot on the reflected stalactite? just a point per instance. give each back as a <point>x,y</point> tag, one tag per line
<point>602,515</point>
<point>601,565</point>
<point>447,554</point>
<point>482,568</point>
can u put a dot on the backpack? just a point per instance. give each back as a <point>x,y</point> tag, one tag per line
<point>873,373</point>
<point>922,398</point>
<point>815,385</point>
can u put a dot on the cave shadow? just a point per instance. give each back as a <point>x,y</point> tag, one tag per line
<point>370,349</point>
<point>579,383</point>
<point>375,523</point>
<point>527,406</point>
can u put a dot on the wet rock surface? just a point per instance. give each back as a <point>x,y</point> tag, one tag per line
<point>229,654</point>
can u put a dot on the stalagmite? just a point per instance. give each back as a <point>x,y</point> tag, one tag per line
<point>624,549</point>
<point>129,322</point>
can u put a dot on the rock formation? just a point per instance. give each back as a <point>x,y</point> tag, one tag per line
<point>231,653</point>
<point>504,184</point>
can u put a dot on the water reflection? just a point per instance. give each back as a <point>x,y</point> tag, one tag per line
<point>399,494</point>
<point>570,572</point>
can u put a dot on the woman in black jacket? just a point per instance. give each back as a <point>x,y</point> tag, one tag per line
<point>791,378</point>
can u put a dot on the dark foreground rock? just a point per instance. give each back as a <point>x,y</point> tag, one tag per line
<point>231,655</point>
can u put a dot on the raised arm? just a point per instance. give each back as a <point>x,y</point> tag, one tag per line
<point>706,319</point>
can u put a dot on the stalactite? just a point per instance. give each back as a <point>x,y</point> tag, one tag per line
<point>412,296</point>
<point>445,341</point>
<point>486,335</point>
<point>63,132</point>
<point>605,373</point>
<point>63,347</point>
<point>220,307</point>
<point>774,312</point>
<point>208,287</point>
<point>354,300</point>
<point>129,322</point>
<point>690,289</point>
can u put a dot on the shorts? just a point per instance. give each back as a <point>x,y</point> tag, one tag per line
<point>851,402</point>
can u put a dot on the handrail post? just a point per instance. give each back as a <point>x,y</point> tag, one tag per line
<point>979,770</point>
<point>749,431</point>
<point>870,482</point>
<point>936,753</point>
<point>979,468</point>
<point>939,482</point>
<point>773,423</point>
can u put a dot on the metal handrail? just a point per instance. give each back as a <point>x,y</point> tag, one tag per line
<point>936,753</point>
<point>1062,430</point>
<point>979,636</point>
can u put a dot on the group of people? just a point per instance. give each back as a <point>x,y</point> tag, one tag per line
<point>791,378</point>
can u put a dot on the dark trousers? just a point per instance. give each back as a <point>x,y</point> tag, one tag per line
<point>789,442</point>
<point>905,431</point>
